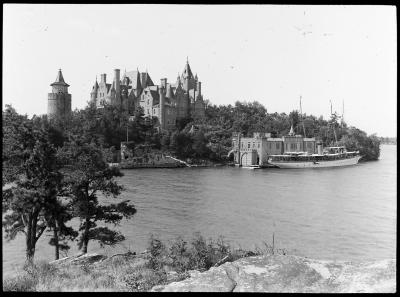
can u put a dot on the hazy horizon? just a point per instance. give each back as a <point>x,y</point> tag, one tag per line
<point>272,54</point>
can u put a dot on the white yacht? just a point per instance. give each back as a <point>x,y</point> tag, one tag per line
<point>334,156</point>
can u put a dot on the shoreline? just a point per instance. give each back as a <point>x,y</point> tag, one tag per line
<point>253,272</point>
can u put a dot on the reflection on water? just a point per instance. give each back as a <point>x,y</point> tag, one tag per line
<point>346,213</point>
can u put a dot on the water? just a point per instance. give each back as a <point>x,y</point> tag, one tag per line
<point>346,213</point>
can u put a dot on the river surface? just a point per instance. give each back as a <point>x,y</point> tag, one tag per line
<point>346,213</point>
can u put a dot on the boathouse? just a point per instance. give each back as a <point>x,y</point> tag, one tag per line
<point>252,151</point>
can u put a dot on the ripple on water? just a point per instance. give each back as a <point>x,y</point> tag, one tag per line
<point>342,214</point>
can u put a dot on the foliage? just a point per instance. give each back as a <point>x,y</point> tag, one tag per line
<point>368,146</point>
<point>199,254</point>
<point>87,174</point>
<point>127,272</point>
<point>32,168</point>
<point>211,140</point>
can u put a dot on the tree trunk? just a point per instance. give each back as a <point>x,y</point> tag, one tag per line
<point>86,236</point>
<point>56,245</point>
<point>31,237</point>
<point>30,248</point>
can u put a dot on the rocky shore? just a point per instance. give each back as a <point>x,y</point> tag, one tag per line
<point>267,273</point>
<point>278,273</point>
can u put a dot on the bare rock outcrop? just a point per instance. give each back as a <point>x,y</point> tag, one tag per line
<point>280,273</point>
<point>82,259</point>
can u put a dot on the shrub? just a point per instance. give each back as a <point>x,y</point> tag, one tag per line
<point>179,255</point>
<point>144,279</point>
<point>157,251</point>
<point>199,255</point>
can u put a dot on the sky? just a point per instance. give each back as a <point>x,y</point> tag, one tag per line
<point>272,54</point>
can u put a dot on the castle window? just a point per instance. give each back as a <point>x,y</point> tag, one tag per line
<point>248,145</point>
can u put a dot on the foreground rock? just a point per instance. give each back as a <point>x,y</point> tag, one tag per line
<point>83,259</point>
<point>280,273</point>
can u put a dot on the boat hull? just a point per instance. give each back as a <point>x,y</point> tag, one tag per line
<point>319,164</point>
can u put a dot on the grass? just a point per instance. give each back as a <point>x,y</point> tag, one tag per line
<point>160,265</point>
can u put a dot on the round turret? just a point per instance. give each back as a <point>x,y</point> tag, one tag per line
<point>59,101</point>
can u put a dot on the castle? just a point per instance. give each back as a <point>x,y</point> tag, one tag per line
<point>168,102</point>
<point>59,101</point>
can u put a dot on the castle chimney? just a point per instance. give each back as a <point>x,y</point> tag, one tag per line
<point>103,78</point>
<point>164,83</point>
<point>198,88</point>
<point>117,85</point>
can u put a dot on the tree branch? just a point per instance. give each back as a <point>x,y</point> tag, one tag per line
<point>41,230</point>
<point>23,220</point>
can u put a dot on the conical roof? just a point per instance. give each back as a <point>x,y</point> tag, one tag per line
<point>187,72</point>
<point>95,87</point>
<point>291,131</point>
<point>60,79</point>
<point>138,84</point>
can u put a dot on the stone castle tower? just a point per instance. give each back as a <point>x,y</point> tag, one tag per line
<point>168,102</point>
<point>59,101</point>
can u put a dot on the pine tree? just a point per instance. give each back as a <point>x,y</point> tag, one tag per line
<point>32,178</point>
<point>87,175</point>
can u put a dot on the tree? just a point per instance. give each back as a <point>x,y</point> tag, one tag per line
<point>87,175</point>
<point>59,214</point>
<point>32,176</point>
<point>199,145</point>
<point>369,146</point>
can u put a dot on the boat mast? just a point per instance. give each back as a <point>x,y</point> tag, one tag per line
<point>342,112</point>
<point>302,122</point>
<point>333,126</point>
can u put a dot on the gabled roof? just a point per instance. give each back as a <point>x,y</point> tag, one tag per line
<point>146,80</point>
<point>60,80</point>
<point>112,88</point>
<point>156,97</point>
<point>135,79</point>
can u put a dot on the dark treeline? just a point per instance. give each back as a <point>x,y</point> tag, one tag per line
<point>55,170</point>
<point>51,176</point>
<point>388,140</point>
<point>210,138</point>
<point>247,118</point>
